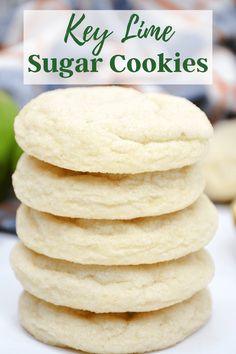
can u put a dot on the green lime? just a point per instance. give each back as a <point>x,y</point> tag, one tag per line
<point>8,111</point>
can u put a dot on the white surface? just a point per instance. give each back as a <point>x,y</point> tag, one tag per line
<point>217,337</point>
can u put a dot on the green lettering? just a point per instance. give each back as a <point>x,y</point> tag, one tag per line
<point>71,27</point>
<point>187,64</point>
<point>177,63</point>
<point>94,64</point>
<point>133,20</point>
<point>113,63</point>
<point>65,64</point>
<point>163,67</point>
<point>149,65</point>
<point>53,67</point>
<point>35,63</point>
<point>82,65</point>
<point>136,63</point>
<point>202,63</point>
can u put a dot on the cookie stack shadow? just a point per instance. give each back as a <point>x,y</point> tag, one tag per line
<point>113,219</point>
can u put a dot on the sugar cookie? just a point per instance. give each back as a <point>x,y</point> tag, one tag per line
<point>103,196</point>
<point>112,129</point>
<point>112,289</point>
<point>117,242</point>
<point>113,333</point>
<point>221,163</point>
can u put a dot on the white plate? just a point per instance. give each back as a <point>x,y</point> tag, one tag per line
<point>217,337</point>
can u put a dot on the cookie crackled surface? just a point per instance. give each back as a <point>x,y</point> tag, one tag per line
<point>113,219</point>
<point>113,333</point>
<point>119,242</point>
<point>104,289</point>
<point>220,164</point>
<point>73,194</point>
<point>112,130</point>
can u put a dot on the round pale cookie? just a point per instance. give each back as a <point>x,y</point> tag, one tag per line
<point>115,288</point>
<point>221,163</point>
<point>117,242</point>
<point>102,196</point>
<point>113,333</point>
<point>112,129</point>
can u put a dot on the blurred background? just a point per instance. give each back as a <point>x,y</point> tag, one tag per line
<point>217,100</point>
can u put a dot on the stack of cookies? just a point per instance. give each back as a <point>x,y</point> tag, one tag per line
<point>113,219</point>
